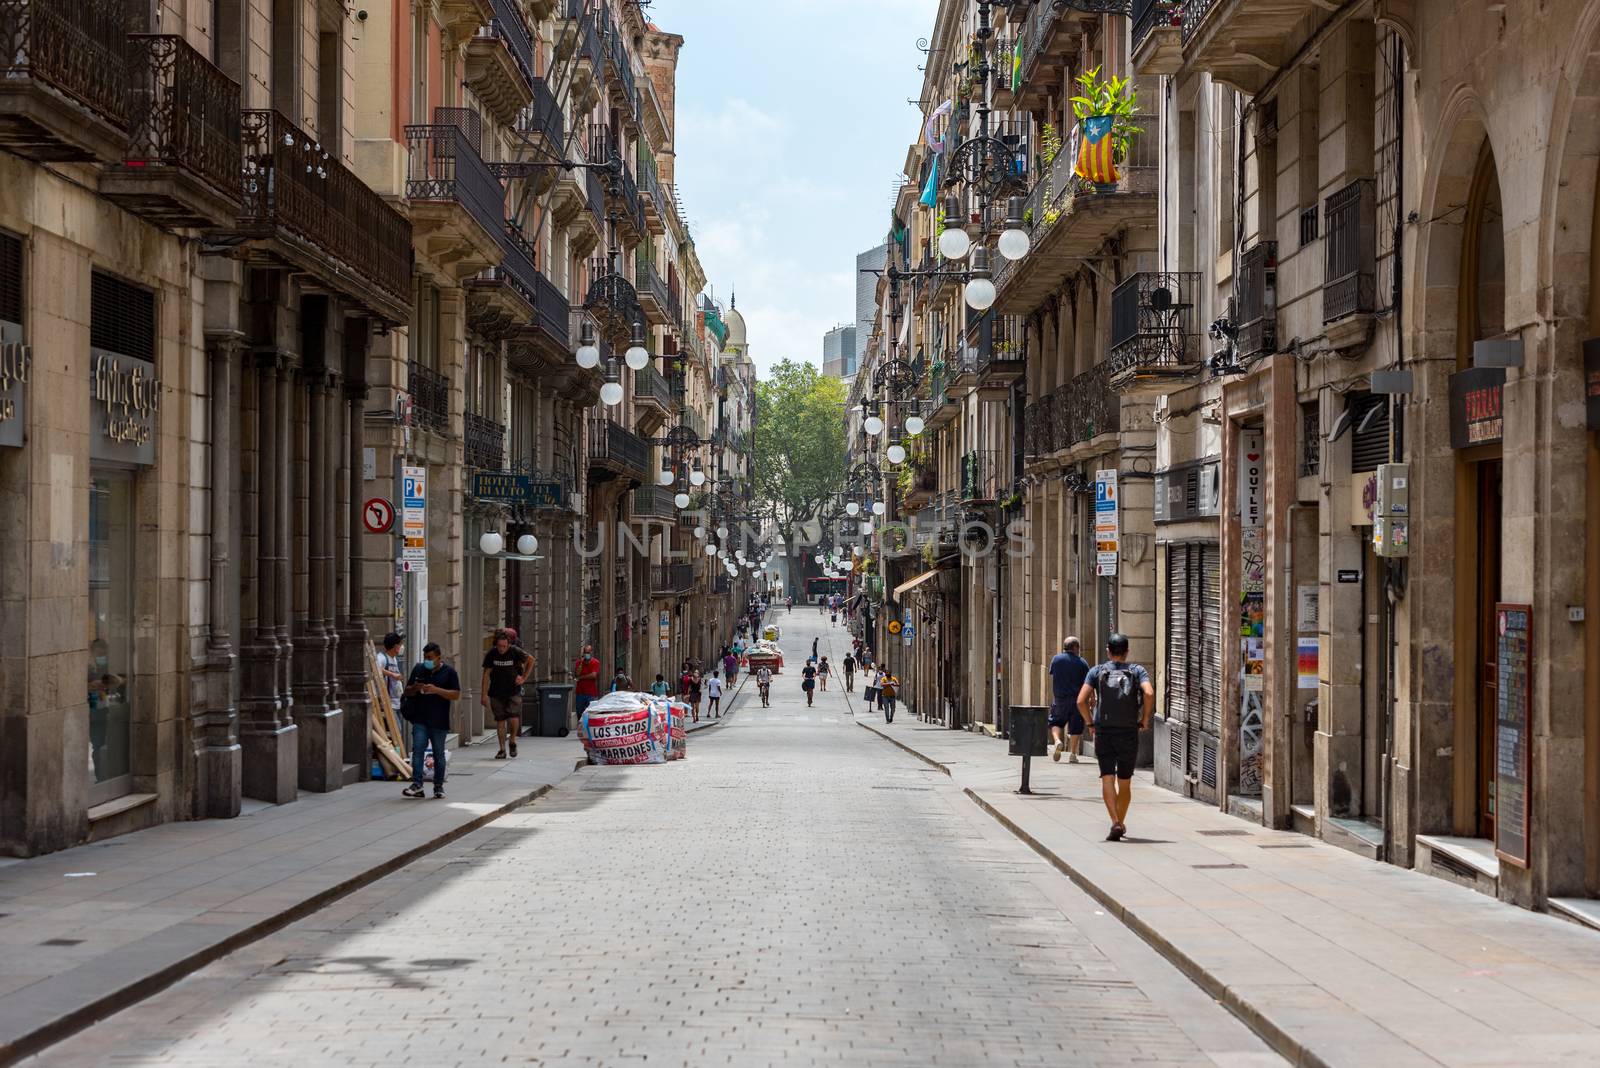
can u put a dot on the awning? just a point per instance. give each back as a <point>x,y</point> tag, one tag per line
<point>914,583</point>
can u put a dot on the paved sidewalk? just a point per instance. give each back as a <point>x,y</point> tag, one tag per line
<point>88,930</point>
<point>1333,959</point>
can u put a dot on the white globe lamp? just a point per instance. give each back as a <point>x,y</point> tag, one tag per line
<point>611,394</point>
<point>491,543</point>
<point>897,454</point>
<point>873,426</point>
<point>852,508</point>
<point>527,545</point>
<point>681,500</point>
<point>954,244</point>
<point>915,425</point>
<point>980,294</point>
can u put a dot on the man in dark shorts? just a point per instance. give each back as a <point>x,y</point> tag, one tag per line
<point>1067,672</point>
<point>1116,701</point>
<point>808,680</point>
<point>505,669</point>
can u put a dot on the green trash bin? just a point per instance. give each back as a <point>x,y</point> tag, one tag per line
<point>551,716</point>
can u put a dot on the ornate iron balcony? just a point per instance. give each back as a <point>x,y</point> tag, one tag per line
<point>430,397</point>
<point>446,165</point>
<point>1258,300</point>
<point>978,479</point>
<point>615,448</point>
<point>1152,327</point>
<point>291,184</point>
<point>1349,284</point>
<point>671,579</point>
<point>485,442</point>
<point>650,387</point>
<point>64,62</point>
<point>653,502</point>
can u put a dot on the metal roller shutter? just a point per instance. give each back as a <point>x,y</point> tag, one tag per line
<point>1179,638</point>
<point>1209,595</point>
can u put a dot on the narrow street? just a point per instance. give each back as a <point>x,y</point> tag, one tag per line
<point>798,891</point>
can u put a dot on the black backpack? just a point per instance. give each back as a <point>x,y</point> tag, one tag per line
<point>1120,697</point>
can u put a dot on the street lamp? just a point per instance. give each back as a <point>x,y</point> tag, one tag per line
<point>491,543</point>
<point>588,352</point>
<point>527,545</point>
<point>1014,241</point>
<point>637,356</point>
<point>980,290</point>
<point>954,244</point>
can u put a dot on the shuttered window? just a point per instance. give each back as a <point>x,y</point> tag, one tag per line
<point>1193,665</point>
<point>122,317</point>
<point>1370,446</point>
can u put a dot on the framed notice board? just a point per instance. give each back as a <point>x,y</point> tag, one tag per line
<point>1513,732</point>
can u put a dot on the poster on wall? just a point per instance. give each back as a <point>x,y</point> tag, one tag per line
<point>1513,732</point>
<point>1307,653</point>
<point>1253,656</point>
<point>1252,479</point>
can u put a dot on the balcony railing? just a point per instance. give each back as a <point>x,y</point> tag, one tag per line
<point>1349,285</point>
<point>292,183</point>
<point>651,388</point>
<point>651,285</point>
<point>544,118</point>
<point>1152,326</point>
<point>1258,300</point>
<point>430,397</point>
<point>1194,13</point>
<point>1087,407</point>
<point>80,49</point>
<point>185,114</point>
<point>516,267</point>
<point>653,502</point>
<point>1043,24</point>
<point>1038,427</point>
<point>512,28</point>
<point>485,442</point>
<point>446,166</point>
<point>614,446</point>
<point>978,476</point>
<point>670,579</point>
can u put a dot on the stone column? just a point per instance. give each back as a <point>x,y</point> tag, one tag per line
<point>352,630</point>
<point>283,511</point>
<point>321,734</point>
<point>218,765</point>
<point>266,735</point>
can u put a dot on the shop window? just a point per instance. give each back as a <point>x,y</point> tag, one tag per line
<point>110,659</point>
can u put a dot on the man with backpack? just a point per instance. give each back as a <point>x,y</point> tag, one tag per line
<point>1116,702</point>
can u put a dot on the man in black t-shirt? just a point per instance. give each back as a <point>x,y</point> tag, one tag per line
<point>505,669</point>
<point>433,684</point>
<point>1116,702</point>
<point>849,673</point>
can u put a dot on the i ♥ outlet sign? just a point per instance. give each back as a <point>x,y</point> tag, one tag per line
<point>1252,478</point>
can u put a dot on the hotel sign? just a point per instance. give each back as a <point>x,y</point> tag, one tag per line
<point>125,407</point>
<point>16,364</point>
<point>506,487</point>
<point>1477,407</point>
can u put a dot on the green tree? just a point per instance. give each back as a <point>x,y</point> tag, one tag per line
<point>800,448</point>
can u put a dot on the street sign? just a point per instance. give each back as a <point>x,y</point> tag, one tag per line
<point>377,515</point>
<point>414,517</point>
<point>1107,524</point>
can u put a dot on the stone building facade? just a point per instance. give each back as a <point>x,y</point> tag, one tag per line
<point>299,264</point>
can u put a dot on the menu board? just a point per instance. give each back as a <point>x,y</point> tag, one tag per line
<point>1513,733</point>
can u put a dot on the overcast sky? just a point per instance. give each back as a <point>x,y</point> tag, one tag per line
<point>792,129</point>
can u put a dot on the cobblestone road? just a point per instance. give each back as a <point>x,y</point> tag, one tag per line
<point>798,891</point>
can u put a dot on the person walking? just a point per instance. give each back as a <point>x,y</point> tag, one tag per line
<point>713,695</point>
<point>730,666</point>
<point>808,680</point>
<point>696,684</point>
<point>433,684</point>
<point>505,669</point>
<point>586,670</point>
<point>822,673</point>
<point>1067,672</point>
<point>849,666</point>
<point>764,684</point>
<point>659,687</point>
<point>888,690</point>
<point>1115,702</point>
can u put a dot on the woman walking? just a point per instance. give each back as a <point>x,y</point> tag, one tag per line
<point>808,681</point>
<point>822,674</point>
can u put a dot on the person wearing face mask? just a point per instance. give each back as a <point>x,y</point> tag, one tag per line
<point>430,689</point>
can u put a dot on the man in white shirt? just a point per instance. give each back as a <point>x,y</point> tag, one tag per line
<point>714,694</point>
<point>764,683</point>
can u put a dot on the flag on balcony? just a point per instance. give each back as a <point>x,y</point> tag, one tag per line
<point>1096,162</point>
<point>1016,68</point>
<point>930,192</point>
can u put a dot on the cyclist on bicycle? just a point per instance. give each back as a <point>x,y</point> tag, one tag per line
<point>764,683</point>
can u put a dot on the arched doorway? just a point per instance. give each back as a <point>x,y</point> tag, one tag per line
<point>1480,314</point>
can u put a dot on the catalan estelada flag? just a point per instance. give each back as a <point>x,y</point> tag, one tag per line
<point>1095,161</point>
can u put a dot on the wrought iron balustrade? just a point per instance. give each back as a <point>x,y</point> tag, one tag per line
<point>613,444</point>
<point>79,48</point>
<point>1152,324</point>
<point>485,442</point>
<point>185,113</point>
<point>978,478</point>
<point>672,578</point>
<point>430,396</point>
<point>1149,15</point>
<point>517,263</point>
<point>1349,282</point>
<point>1194,14</point>
<point>446,165</point>
<point>544,118</point>
<point>512,28</point>
<point>291,182</point>
<point>649,385</point>
<point>1038,427</point>
<point>1258,300</point>
<point>1089,406</point>
<point>653,502</point>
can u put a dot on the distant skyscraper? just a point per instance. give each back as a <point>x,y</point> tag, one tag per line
<point>839,352</point>
<point>873,259</point>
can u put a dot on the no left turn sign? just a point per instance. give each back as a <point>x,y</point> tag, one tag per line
<point>377,515</point>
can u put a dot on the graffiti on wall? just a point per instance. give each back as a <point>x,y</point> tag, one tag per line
<point>1252,637</point>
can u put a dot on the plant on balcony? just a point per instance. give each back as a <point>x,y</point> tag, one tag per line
<point>930,555</point>
<point>1010,501</point>
<point>1049,145</point>
<point>1105,113</point>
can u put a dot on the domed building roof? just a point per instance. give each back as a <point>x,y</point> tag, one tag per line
<point>735,324</point>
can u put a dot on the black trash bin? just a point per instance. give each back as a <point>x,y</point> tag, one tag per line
<point>554,703</point>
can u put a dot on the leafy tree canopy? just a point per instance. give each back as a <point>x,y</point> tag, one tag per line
<point>800,446</point>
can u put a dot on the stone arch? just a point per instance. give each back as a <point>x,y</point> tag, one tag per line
<point>1460,137</point>
<point>1569,269</point>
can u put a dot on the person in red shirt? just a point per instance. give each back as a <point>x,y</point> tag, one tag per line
<point>586,669</point>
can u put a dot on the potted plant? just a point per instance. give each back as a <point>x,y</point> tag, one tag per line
<point>1105,113</point>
